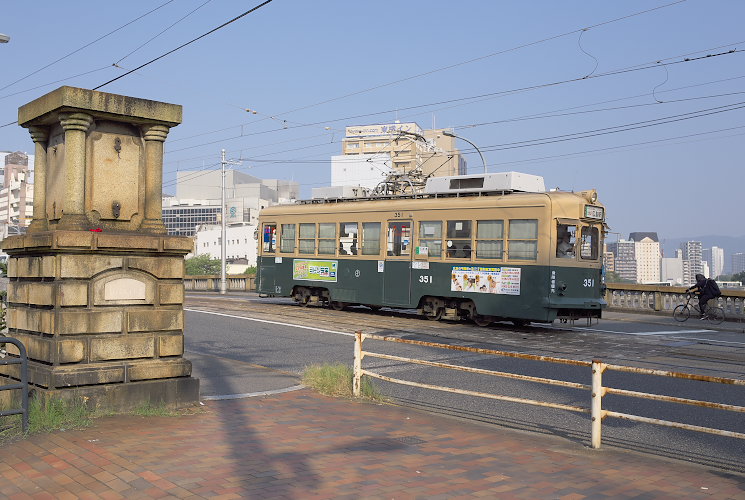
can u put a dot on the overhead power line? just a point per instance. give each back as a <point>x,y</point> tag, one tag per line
<point>185,44</point>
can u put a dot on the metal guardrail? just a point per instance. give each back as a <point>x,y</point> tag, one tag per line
<point>22,360</point>
<point>596,389</point>
<point>209,283</point>
<point>653,299</point>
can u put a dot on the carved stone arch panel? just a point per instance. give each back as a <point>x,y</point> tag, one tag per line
<point>123,287</point>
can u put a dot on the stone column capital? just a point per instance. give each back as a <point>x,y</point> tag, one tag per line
<point>39,134</point>
<point>75,121</point>
<point>155,132</point>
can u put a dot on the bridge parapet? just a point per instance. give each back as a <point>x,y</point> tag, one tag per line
<point>654,299</point>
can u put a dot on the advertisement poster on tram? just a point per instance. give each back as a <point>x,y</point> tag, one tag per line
<point>496,280</point>
<point>314,270</point>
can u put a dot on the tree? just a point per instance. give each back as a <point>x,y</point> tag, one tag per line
<point>738,277</point>
<point>201,265</point>
<point>614,277</point>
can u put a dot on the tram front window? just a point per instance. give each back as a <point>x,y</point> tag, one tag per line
<point>566,238</point>
<point>590,243</point>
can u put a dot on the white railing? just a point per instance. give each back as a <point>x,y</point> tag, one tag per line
<point>652,299</point>
<point>596,389</point>
<point>235,283</point>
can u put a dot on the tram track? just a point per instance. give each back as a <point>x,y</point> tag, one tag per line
<point>668,352</point>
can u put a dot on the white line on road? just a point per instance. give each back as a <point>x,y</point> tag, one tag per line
<point>671,332</point>
<point>253,394</point>
<point>713,341</point>
<point>271,322</point>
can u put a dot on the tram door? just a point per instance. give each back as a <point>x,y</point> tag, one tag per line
<point>397,265</point>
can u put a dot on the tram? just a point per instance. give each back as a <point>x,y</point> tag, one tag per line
<point>490,247</point>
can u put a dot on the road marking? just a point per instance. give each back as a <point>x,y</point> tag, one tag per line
<point>271,322</point>
<point>253,394</point>
<point>714,341</point>
<point>671,332</point>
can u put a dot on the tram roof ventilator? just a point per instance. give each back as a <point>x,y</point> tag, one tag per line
<point>504,182</point>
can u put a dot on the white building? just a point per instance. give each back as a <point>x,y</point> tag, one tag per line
<point>672,269</point>
<point>648,255</point>
<point>716,264</point>
<point>692,253</point>
<point>240,242</point>
<point>366,170</point>
<point>17,193</point>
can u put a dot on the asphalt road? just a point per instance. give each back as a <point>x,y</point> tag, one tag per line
<point>284,338</point>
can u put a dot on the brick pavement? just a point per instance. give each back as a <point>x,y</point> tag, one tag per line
<point>300,445</point>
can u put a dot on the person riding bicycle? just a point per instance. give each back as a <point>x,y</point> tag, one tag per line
<point>706,289</point>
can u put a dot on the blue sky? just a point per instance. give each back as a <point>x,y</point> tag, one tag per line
<point>661,138</point>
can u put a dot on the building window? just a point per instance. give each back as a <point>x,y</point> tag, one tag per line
<point>459,239</point>
<point>489,239</point>
<point>523,239</point>
<point>287,241</point>
<point>430,236</point>
<point>307,239</point>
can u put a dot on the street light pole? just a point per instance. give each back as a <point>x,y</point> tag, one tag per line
<point>223,220</point>
<point>450,134</point>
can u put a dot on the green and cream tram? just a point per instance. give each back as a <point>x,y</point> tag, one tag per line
<point>466,250</point>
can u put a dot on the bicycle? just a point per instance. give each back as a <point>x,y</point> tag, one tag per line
<point>682,312</point>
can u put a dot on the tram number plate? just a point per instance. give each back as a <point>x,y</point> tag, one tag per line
<point>589,282</point>
<point>425,279</point>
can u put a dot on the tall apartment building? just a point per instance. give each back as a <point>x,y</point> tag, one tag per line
<point>692,253</point>
<point>647,253</point>
<point>404,147</point>
<point>714,257</point>
<point>738,262</point>
<point>625,259</point>
<point>17,193</point>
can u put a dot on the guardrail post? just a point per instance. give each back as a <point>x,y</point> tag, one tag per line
<point>356,383</point>
<point>597,401</point>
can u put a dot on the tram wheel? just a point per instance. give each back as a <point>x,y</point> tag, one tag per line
<point>520,322</point>
<point>303,298</point>
<point>682,313</point>
<point>337,306</point>
<point>435,311</point>
<point>481,320</point>
<point>375,308</point>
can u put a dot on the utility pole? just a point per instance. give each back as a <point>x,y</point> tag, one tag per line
<point>223,213</point>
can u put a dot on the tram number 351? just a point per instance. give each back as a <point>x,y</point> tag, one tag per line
<point>589,282</point>
<point>425,279</point>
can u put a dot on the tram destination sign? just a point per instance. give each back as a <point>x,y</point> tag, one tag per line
<point>593,212</point>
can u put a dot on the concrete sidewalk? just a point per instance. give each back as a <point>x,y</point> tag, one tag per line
<point>299,445</point>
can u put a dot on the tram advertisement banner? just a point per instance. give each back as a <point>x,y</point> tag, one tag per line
<point>497,280</point>
<point>314,270</point>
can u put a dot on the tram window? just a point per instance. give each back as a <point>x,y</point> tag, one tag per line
<point>307,238</point>
<point>523,239</point>
<point>287,239</point>
<point>399,238</point>
<point>348,238</point>
<point>269,238</point>
<point>326,238</point>
<point>566,239</point>
<point>459,239</point>
<point>489,239</point>
<point>590,243</point>
<point>430,236</point>
<point>370,238</point>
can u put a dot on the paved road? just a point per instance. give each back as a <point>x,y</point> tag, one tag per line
<point>238,333</point>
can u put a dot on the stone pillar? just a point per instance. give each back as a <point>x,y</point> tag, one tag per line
<point>40,136</point>
<point>154,136</point>
<point>75,126</point>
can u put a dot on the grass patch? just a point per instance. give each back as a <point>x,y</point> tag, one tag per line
<point>336,380</point>
<point>55,415</point>
<point>151,410</point>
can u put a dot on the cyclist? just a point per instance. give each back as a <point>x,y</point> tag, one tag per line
<point>706,289</point>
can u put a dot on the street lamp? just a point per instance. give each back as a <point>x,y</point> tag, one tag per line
<point>450,134</point>
<point>4,38</point>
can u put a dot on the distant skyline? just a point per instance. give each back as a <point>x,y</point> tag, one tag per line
<point>616,96</point>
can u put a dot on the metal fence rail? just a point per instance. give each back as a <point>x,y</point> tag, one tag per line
<point>596,389</point>
<point>22,360</point>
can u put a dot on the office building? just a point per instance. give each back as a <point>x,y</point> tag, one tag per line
<point>17,193</point>
<point>240,243</point>
<point>404,148</point>
<point>738,262</point>
<point>625,259</point>
<point>647,254</point>
<point>672,269</point>
<point>692,253</point>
